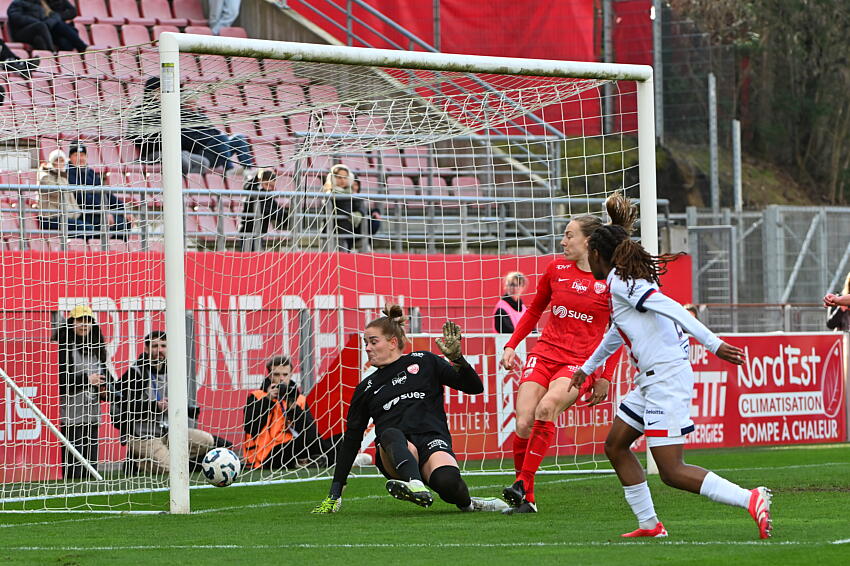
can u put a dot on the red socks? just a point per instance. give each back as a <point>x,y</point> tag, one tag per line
<point>520,445</point>
<point>538,445</point>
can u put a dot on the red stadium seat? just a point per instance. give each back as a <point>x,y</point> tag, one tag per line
<point>248,68</point>
<point>281,72</point>
<point>215,182</point>
<point>194,181</point>
<point>134,34</point>
<point>41,91</point>
<point>48,66</point>
<point>129,9</point>
<point>149,61</point>
<point>289,97</point>
<point>246,128</point>
<point>233,32</point>
<point>97,64</point>
<point>323,94</point>
<point>299,123</point>
<point>163,28</point>
<point>91,11</point>
<point>273,129</point>
<point>191,10</point>
<point>266,155</point>
<point>84,33</point>
<point>391,161</point>
<point>257,96</point>
<point>400,186</point>
<point>161,10</point>
<point>72,64</point>
<point>466,185</point>
<point>214,67</point>
<point>189,69</point>
<point>105,36</point>
<point>228,98</point>
<point>198,30</point>
<point>124,65</point>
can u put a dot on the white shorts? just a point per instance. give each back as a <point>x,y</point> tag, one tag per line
<point>661,410</point>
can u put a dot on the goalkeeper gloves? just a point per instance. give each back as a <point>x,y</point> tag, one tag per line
<point>328,505</point>
<point>449,344</point>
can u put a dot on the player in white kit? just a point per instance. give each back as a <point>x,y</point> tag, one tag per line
<point>651,326</point>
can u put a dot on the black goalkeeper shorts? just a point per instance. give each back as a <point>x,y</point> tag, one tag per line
<point>426,444</point>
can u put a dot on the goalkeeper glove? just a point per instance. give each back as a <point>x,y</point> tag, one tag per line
<point>449,344</point>
<point>329,505</point>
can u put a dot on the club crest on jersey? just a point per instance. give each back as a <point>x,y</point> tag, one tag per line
<point>580,285</point>
<point>599,287</point>
<point>413,369</point>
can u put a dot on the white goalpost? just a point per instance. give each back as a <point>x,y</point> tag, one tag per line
<point>223,212</point>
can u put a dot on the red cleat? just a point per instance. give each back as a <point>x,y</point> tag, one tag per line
<point>657,532</point>
<point>759,509</point>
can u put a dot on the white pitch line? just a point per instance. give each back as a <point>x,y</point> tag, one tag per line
<point>842,541</point>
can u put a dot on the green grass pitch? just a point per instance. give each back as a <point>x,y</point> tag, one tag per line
<point>579,522</point>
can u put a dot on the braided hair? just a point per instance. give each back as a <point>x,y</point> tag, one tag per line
<point>391,324</point>
<point>628,258</point>
<point>620,209</point>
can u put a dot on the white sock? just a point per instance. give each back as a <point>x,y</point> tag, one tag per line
<point>723,491</point>
<point>640,500</point>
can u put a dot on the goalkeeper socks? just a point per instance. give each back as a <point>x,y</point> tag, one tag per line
<point>542,434</point>
<point>520,446</point>
<point>394,444</point>
<point>723,491</point>
<point>640,500</point>
<point>451,488</point>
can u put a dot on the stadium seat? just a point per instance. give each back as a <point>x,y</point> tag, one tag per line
<point>72,64</point>
<point>273,129</point>
<point>233,32</point>
<point>289,97</point>
<point>161,10</point>
<point>397,185</point>
<point>257,96</point>
<point>281,72</point>
<point>97,64</point>
<point>125,65</point>
<point>149,61</point>
<point>91,11</point>
<point>189,69</point>
<point>18,94</point>
<point>266,155</point>
<point>360,164</point>
<point>249,69</point>
<point>41,91</point>
<point>4,6</point>
<point>323,94</point>
<point>215,182</point>
<point>198,30</point>
<point>105,36</point>
<point>228,98</point>
<point>48,66</point>
<point>158,29</point>
<point>335,123</point>
<point>134,34</point>
<point>246,128</point>
<point>194,181</point>
<point>129,9</point>
<point>299,123</point>
<point>391,162</point>
<point>466,185</point>
<point>322,164</point>
<point>214,68</point>
<point>191,10</point>
<point>84,33</point>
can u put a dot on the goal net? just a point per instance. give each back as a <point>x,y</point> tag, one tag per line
<point>244,235</point>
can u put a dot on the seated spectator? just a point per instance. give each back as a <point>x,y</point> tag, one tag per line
<point>347,212</point>
<point>222,14</point>
<point>94,202</point>
<point>839,308</point>
<point>510,309</point>
<point>260,211</point>
<point>373,225</point>
<point>56,205</point>
<point>83,382</point>
<point>139,411</point>
<point>204,146</point>
<point>44,25</point>
<point>280,431</point>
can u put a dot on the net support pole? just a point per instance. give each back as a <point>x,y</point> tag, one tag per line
<point>175,283</point>
<point>648,196</point>
<point>50,426</point>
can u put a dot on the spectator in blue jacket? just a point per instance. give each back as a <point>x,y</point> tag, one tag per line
<point>94,202</point>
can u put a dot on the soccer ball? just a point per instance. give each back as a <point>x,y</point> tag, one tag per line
<point>221,466</point>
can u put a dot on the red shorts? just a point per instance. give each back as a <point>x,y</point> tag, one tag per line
<point>544,372</point>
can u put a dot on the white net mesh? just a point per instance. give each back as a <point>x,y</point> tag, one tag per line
<point>463,178</point>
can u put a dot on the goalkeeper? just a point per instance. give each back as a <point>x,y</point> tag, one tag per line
<point>405,400</point>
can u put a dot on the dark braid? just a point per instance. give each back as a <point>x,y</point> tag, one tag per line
<point>628,258</point>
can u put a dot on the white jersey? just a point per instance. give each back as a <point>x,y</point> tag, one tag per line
<point>650,325</point>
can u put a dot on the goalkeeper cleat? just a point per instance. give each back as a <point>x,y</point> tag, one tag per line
<point>515,494</point>
<point>489,504</point>
<point>658,532</point>
<point>524,507</point>
<point>413,491</point>
<point>759,509</point>
<point>329,505</point>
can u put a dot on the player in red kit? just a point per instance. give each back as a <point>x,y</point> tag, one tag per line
<point>580,315</point>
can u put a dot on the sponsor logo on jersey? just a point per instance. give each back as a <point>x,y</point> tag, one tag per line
<point>438,443</point>
<point>400,378</point>
<point>413,369</point>
<point>599,287</point>
<point>561,266</point>
<point>409,395</point>
<point>563,312</point>
<point>580,285</point>
<point>418,354</point>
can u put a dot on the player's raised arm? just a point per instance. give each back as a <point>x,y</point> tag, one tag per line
<point>464,378</point>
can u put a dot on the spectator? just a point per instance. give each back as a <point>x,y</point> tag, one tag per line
<point>44,25</point>
<point>222,14</point>
<point>839,308</point>
<point>94,202</point>
<point>54,205</point>
<point>261,210</point>
<point>203,146</point>
<point>140,411</point>
<point>83,381</point>
<point>373,225</point>
<point>347,212</point>
<point>510,309</point>
<point>280,431</point>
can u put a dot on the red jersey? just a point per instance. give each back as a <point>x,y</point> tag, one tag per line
<point>580,315</point>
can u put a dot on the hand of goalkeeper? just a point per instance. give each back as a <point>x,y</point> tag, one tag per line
<point>329,505</point>
<point>450,343</point>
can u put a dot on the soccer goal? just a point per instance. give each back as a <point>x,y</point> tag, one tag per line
<point>224,219</point>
